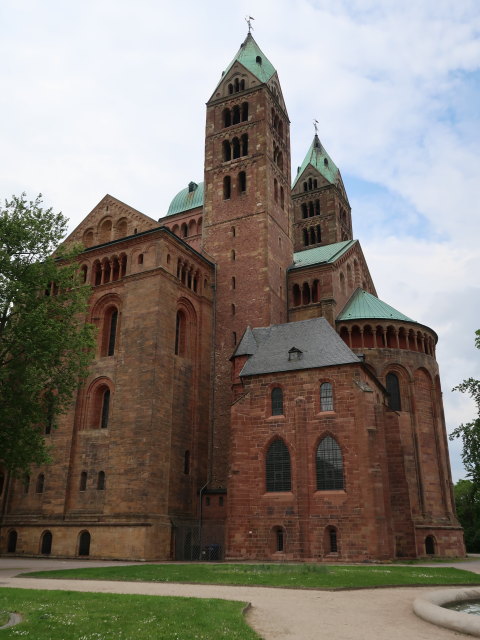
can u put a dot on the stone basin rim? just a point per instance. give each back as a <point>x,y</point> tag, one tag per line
<point>429,607</point>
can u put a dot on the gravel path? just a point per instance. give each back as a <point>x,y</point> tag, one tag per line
<point>276,614</point>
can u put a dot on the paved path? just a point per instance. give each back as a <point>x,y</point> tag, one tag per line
<point>277,614</point>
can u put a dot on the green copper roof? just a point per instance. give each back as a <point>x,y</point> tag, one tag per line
<point>320,160</point>
<point>188,198</point>
<point>328,253</point>
<point>253,59</point>
<point>364,305</point>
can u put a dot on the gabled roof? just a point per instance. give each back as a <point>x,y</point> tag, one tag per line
<point>247,55</point>
<point>308,344</point>
<point>363,305</point>
<point>188,198</point>
<point>328,253</point>
<point>318,158</point>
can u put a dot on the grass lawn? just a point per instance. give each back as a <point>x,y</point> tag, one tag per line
<point>58,615</point>
<point>274,575</point>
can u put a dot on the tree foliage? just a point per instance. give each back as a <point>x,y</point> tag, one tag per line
<point>45,345</point>
<point>467,502</point>
<point>470,432</point>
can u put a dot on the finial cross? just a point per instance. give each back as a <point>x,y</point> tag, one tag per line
<point>248,20</point>
<point>315,124</point>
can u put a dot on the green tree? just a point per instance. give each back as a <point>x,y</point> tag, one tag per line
<point>45,344</point>
<point>470,432</point>
<point>467,502</point>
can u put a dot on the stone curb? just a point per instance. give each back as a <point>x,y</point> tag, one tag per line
<point>429,607</point>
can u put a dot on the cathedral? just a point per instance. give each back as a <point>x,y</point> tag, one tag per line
<point>251,397</point>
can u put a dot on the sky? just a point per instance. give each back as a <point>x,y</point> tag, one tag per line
<point>108,96</point>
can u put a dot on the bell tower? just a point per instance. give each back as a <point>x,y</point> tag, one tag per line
<point>321,210</point>
<point>247,213</point>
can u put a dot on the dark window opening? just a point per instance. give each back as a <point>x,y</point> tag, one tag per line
<point>105,409</point>
<point>282,197</point>
<point>83,481</point>
<point>242,182</point>
<point>244,111</point>
<point>304,210</point>
<point>236,114</point>
<point>140,258</point>
<point>46,547</point>
<point>220,501</point>
<point>236,148</point>
<point>245,144</point>
<point>278,473</point>
<point>332,536</point>
<point>227,151</point>
<point>277,402</point>
<point>40,486</point>
<point>227,187</point>
<point>430,546</point>
<point>226,118</point>
<point>258,59</point>
<point>329,465</point>
<point>101,481</point>
<point>279,540</point>
<point>186,462</point>
<point>84,544</point>
<point>112,333</point>
<point>180,331</point>
<point>393,390</point>
<point>305,238</point>
<point>297,296</point>
<point>234,338</point>
<point>12,541</point>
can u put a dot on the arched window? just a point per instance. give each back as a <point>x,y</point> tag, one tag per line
<point>46,544</point>
<point>83,481</point>
<point>329,465</point>
<point>180,334</point>
<point>278,474</point>
<point>275,189</point>
<point>393,390</point>
<point>244,111</point>
<point>326,397</point>
<point>305,238</point>
<point>227,187</point>
<point>318,233</point>
<point>315,291</point>
<point>84,544</point>
<point>282,197</point>
<point>304,210</point>
<point>306,293</point>
<point>110,331</point>
<point>184,230</point>
<point>317,207</point>
<point>245,144</point>
<point>312,235</point>
<point>232,255</point>
<point>430,546</point>
<point>12,541</point>
<point>242,182</point>
<point>97,274</point>
<point>40,486</point>
<point>139,260</point>
<point>226,118</point>
<point>279,539</point>
<point>236,148</point>
<point>230,88</point>
<point>227,151</point>
<point>297,296</point>
<point>233,309</point>
<point>277,401</point>
<point>105,409</point>
<point>101,481</point>
<point>83,273</point>
<point>330,540</point>
<point>236,114</point>
<point>233,282</point>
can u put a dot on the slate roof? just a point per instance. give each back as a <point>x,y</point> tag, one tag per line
<point>328,253</point>
<point>363,305</point>
<point>318,157</point>
<point>319,343</point>
<point>186,199</point>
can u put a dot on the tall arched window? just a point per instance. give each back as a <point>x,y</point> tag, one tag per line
<point>329,465</point>
<point>326,397</point>
<point>244,111</point>
<point>40,486</point>
<point>278,473</point>
<point>297,296</point>
<point>105,409</point>
<point>331,540</point>
<point>227,151</point>
<point>226,118</point>
<point>12,541</point>
<point>277,401</point>
<point>227,187</point>
<point>101,481</point>
<point>46,545</point>
<point>245,144</point>
<point>236,114</point>
<point>83,481</point>
<point>110,331</point>
<point>235,148</point>
<point>393,390</point>
<point>180,331</point>
<point>84,544</point>
<point>242,182</point>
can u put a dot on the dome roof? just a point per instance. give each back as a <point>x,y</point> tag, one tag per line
<point>189,198</point>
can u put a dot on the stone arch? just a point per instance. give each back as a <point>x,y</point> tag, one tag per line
<point>121,228</point>
<point>98,407</point>
<point>84,540</point>
<point>104,230</point>
<point>88,239</point>
<point>185,329</point>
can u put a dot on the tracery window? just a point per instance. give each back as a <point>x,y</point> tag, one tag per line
<point>329,465</point>
<point>278,471</point>
<point>393,390</point>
